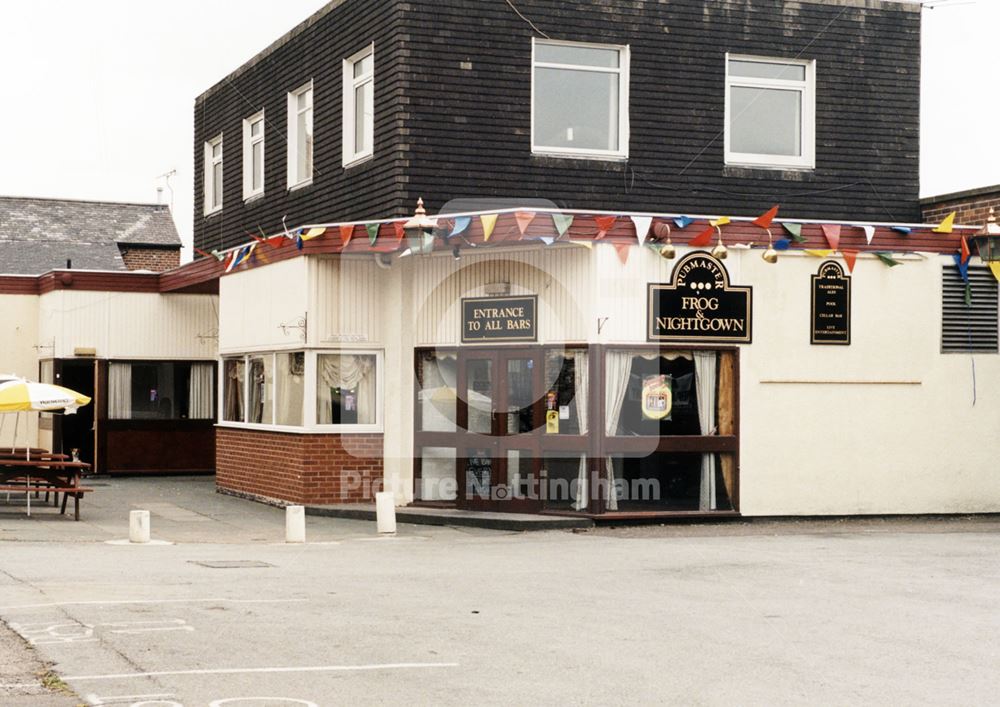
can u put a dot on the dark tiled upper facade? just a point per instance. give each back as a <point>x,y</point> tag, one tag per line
<point>452,83</point>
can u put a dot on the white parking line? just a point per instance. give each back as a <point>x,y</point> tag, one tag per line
<point>239,671</point>
<point>150,601</point>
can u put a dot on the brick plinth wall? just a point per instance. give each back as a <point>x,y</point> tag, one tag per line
<point>146,258</point>
<point>311,469</point>
<point>973,206</point>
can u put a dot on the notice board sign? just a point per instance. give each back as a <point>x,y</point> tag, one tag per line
<point>700,305</point>
<point>493,319</point>
<point>831,306</point>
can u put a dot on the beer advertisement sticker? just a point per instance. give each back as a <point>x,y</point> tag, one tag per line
<point>831,306</point>
<point>700,305</point>
<point>492,319</point>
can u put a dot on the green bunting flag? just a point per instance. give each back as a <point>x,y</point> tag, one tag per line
<point>372,229</point>
<point>562,223</point>
<point>887,259</point>
<point>795,231</point>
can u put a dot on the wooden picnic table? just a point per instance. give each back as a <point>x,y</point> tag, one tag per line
<point>45,475</point>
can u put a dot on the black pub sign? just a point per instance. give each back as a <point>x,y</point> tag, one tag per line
<point>700,305</point>
<point>499,319</point>
<point>831,305</point>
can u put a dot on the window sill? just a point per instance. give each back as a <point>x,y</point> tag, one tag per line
<point>763,171</point>
<point>213,212</point>
<point>250,198</point>
<point>357,160</point>
<point>300,185</point>
<point>580,156</point>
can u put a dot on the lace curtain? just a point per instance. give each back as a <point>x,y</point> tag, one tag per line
<point>234,378</point>
<point>120,391</point>
<point>346,371</point>
<point>200,398</point>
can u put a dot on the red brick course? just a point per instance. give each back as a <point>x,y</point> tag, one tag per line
<point>973,209</point>
<point>155,259</point>
<point>311,469</point>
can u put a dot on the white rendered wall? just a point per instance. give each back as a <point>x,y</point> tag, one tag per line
<point>18,355</point>
<point>254,304</point>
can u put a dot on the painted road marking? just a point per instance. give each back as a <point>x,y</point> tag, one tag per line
<point>269,701</point>
<point>17,607</point>
<point>43,634</point>
<point>97,701</point>
<point>239,671</point>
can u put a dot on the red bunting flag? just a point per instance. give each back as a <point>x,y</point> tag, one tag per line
<point>400,231</point>
<point>623,249</point>
<point>524,219</point>
<point>346,233</point>
<point>966,253</point>
<point>850,257</point>
<point>764,220</point>
<point>203,254</point>
<point>703,238</point>
<point>604,224</point>
<point>832,233</point>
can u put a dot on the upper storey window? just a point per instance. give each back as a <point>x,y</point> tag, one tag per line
<point>579,99</point>
<point>300,136</point>
<point>770,112</point>
<point>213,175</point>
<point>359,106</point>
<point>253,156</point>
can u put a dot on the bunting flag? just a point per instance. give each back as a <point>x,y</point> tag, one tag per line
<point>782,244</point>
<point>298,241</point>
<point>488,222</point>
<point>461,224</point>
<point>586,244</point>
<point>683,221</point>
<point>795,231</point>
<point>372,229</point>
<point>524,219</point>
<point>315,233</point>
<point>963,267</point>
<point>966,253</point>
<point>832,233</point>
<point>905,230</point>
<point>203,254</point>
<point>850,257</point>
<point>623,250</point>
<point>239,257</point>
<point>995,268</point>
<point>642,224</point>
<point>399,229</point>
<point>765,219</point>
<point>721,221</point>
<point>887,259</point>
<point>604,224</point>
<point>346,233</point>
<point>820,253</point>
<point>562,222</point>
<point>703,238</point>
<point>869,233</point>
<point>277,242</point>
<point>948,225</point>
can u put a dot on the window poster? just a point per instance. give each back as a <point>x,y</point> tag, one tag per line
<point>657,397</point>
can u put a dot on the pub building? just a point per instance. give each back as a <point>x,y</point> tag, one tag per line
<point>601,314</point>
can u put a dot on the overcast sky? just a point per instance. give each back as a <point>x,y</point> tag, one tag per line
<point>99,93</point>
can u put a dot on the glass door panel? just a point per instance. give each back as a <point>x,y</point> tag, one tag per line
<point>479,395</point>
<point>520,395</point>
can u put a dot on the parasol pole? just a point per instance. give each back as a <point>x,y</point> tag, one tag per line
<point>13,441</point>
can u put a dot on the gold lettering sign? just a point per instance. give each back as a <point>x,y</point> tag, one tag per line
<point>492,319</point>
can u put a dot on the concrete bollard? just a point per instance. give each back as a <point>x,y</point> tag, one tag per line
<point>295,524</point>
<point>138,527</point>
<point>385,512</point>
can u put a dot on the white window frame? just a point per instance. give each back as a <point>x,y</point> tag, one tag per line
<point>623,70</point>
<point>309,424</point>
<point>293,134</point>
<point>209,181</point>
<point>350,156</point>
<point>249,141</point>
<point>807,88</point>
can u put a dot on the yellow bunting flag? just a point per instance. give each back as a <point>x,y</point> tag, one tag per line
<point>820,253</point>
<point>489,222</point>
<point>947,226</point>
<point>995,267</point>
<point>721,221</point>
<point>313,233</point>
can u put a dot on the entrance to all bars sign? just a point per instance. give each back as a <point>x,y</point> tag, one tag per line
<point>499,319</point>
<point>831,305</point>
<point>700,305</point>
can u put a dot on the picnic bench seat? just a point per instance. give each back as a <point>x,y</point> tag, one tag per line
<point>67,491</point>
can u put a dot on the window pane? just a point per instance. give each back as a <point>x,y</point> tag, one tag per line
<point>363,117</point>
<point>438,395</point>
<point>576,109</point>
<point>569,54</point>
<point>345,389</point>
<point>217,184</point>
<point>261,389</point>
<point>766,121</point>
<point>658,394</point>
<point>437,474</point>
<point>566,374</point>
<point>217,150</point>
<point>233,376</point>
<point>566,483</point>
<point>256,127</point>
<point>480,395</point>
<point>149,391</point>
<point>257,174</point>
<point>669,482</point>
<point>304,146</point>
<point>303,100</point>
<point>767,70</point>
<point>290,374</point>
<point>363,66</point>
